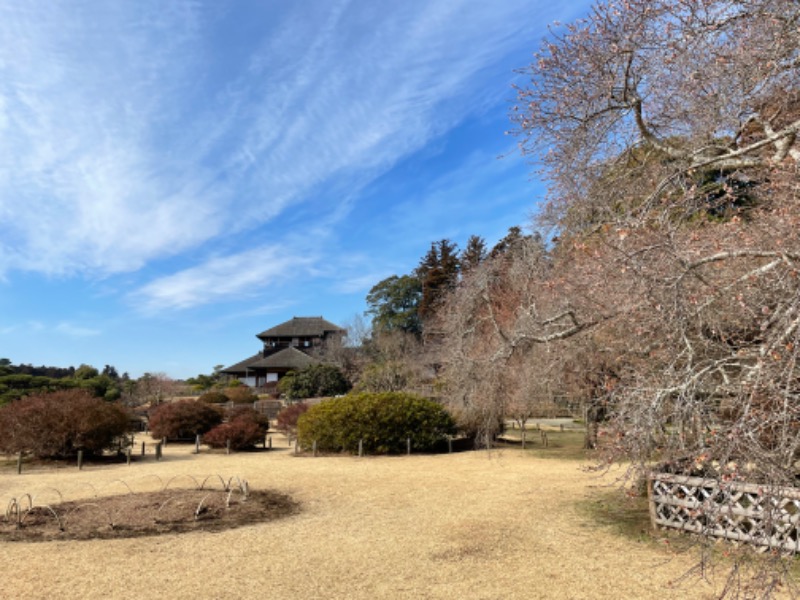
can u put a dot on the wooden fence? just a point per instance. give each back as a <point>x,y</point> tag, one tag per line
<point>763,516</point>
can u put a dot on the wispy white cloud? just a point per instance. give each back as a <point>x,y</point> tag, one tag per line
<point>84,184</point>
<point>130,132</point>
<point>238,276</point>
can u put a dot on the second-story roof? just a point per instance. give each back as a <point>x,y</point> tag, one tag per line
<point>301,327</point>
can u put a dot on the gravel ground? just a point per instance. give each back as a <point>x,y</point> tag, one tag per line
<point>470,525</point>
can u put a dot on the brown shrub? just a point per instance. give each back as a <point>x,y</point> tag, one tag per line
<point>58,424</point>
<point>287,418</point>
<point>245,428</point>
<point>184,419</point>
<point>241,395</point>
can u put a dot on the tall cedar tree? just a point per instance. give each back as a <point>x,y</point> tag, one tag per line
<point>474,254</point>
<point>438,271</point>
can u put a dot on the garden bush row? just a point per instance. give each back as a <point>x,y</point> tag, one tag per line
<point>186,419</point>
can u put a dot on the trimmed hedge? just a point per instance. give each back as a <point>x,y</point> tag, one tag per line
<point>384,421</point>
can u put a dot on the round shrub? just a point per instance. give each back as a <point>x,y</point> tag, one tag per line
<point>213,398</point>
<point>58,424</point>
<point>314,381</point>
<point>244,429</point>
<point>183,420</point>
<point>241,395</point>
<point>384,421</point>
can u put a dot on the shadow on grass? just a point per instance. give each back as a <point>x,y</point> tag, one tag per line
<point>561,445</point>
<point>615,510</point>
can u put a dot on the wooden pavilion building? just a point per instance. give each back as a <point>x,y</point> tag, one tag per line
<point>290,346</point>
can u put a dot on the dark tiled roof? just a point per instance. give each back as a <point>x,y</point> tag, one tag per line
<point>240,366</point>
<point>301,327</point>
<point>289,358</point>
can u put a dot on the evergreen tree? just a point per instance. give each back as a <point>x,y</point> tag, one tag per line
<point>474,254</point>
<point>394,304</point>
<point>438,272</point>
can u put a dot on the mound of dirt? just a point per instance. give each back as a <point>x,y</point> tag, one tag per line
<point>142,514</point>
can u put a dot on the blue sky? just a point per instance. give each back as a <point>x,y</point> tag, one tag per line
<point>176,176</point>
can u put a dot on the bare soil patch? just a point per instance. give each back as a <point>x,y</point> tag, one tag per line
<point>144,514</point>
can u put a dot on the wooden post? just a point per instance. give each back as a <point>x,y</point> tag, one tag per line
<point>270,442</point>
<point>158,450</point>
<point>651,501</point>
<point>80,460</point>
<point>314,447</point>
<point>361,447</point>
<point>197,444</point>
<point>128,455</point>
<point>523,438</point>
<point>142,448</point>
<point>295,447</point>
<point>408,446</point>
<point>545,440</point>
<point>227,446</point>
<point>19,463</point>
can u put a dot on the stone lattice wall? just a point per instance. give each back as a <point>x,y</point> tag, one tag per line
<point>744,512</point>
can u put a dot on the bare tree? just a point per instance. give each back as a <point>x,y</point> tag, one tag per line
<point>701,84</point>
<point>671,294</point>
<point>395,361</point>
<point>672,136</point>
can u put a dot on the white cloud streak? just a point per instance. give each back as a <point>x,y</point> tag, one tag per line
<point>241,275</point>
<point>131,132</point>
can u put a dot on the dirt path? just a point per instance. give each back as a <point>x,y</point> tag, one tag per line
<point>471,525</point>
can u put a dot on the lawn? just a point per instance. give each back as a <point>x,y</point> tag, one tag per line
<point>507,523</point>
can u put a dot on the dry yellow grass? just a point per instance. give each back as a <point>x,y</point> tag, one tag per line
<point>472,525</point>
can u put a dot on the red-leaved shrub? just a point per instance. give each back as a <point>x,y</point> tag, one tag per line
<point>244,429</point>
<point>183,420</point>
<point>287,418</point>
<point>58,424</point>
